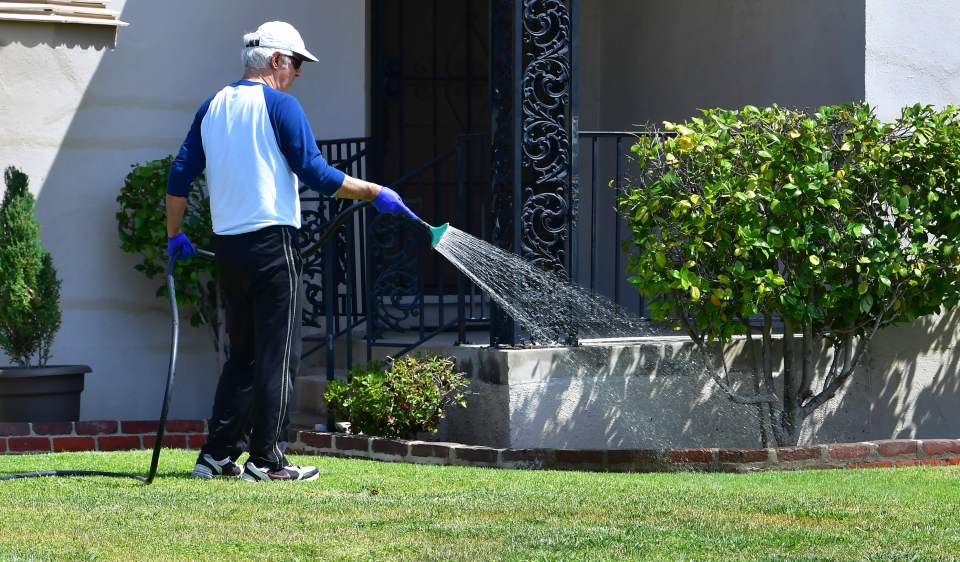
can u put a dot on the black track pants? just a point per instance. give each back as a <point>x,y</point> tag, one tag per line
<point>260,277</point>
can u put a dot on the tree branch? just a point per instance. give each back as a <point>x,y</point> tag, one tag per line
<point>790,386</point>
<point>712,371</point>
<point>774,413</point>
<point>832,386</point>
<point>756,369</point>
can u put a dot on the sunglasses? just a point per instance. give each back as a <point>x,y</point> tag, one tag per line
<point>295,60</point>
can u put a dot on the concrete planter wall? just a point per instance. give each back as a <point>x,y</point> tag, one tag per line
<point>41,393</point>
<point>654,393</point>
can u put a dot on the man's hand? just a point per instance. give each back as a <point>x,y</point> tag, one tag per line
<point>179,247</point>
<point>388,201</point>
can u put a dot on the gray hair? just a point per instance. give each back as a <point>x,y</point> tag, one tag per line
<point>257,57</point>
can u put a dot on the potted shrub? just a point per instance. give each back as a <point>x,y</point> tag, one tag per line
<point>31,390</point>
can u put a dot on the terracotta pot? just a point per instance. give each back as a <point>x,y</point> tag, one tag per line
<point>52,393</point>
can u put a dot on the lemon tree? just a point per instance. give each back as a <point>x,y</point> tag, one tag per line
<point>830,224</point>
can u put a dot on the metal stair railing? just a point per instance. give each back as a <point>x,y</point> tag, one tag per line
<point>369,275</point>
<point>332,305</point>
<point>396,247</point>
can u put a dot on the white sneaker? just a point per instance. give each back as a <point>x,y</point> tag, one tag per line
<point>207,467</point>
<point>254,473</point>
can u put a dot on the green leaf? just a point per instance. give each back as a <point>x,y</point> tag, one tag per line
<point>141,228</point>
<point>790,204</point>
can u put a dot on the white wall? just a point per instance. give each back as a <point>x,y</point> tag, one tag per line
<point>912,53</point>
<point>75,114</point>
<point>912,56</point>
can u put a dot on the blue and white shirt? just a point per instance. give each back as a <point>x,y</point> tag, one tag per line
<point>256,145</point>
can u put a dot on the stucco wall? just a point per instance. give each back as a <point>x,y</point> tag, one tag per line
<point>911,53</point>
<point>663,59</point>
<point>654,392</point>
<point>76,113</point>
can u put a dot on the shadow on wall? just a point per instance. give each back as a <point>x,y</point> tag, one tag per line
<point>648,396</point>
<point>95,37</point>
<point>657,394</point>
<point>643,395</point>
<point>84,113</point>
<point>911,389</point>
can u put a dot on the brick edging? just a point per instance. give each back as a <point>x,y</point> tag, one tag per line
<point>867,454</point>
<point>115,435</point>
<point>98,435</point>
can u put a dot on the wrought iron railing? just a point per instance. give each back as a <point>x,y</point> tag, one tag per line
<point>408,307</point>
<point>379,280</point>
<point>333,307</point>
<point>605,168</point>
<point>370,278</point>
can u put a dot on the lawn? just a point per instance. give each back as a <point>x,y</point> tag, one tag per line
<point>377,511</point>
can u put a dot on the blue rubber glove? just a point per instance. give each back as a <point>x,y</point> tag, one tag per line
<point>389,202</point>
<point>179,247</point>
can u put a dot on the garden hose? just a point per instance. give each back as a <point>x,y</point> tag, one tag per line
<point>165,408</point>
<point>174,346</point>
<point>332,227</point>
<point>325,236</point>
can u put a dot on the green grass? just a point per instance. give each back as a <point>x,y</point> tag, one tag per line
<point>381,511</point>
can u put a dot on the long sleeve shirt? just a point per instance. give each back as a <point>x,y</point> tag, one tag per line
<point>256,145</point>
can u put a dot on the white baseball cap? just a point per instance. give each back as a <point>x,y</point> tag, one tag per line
<point>281,36</point>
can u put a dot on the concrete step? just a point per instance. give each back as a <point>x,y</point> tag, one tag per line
<point>303,421</point>
<point>431,312</point>
<point>310,409</point>
<point>318,355</point>
<point>309,387</point>
<point>318,359</point>
<point>321,372</point>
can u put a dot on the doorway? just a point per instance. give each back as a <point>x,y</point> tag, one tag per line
<point>430,88</point>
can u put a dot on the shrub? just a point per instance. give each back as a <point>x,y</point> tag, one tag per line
<point>834,223</point>
<point>142,228</point>
<point>29,288</point>
<point>408,397</point>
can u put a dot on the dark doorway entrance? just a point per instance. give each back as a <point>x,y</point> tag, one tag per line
<point>430,87</point>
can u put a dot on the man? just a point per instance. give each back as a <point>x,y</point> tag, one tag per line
<point>255,143</point>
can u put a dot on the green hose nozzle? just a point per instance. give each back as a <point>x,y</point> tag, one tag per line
<point>436,232</point>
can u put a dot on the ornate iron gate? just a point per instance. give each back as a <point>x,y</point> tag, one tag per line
<point>533,102</point>
<point>368,279</point>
